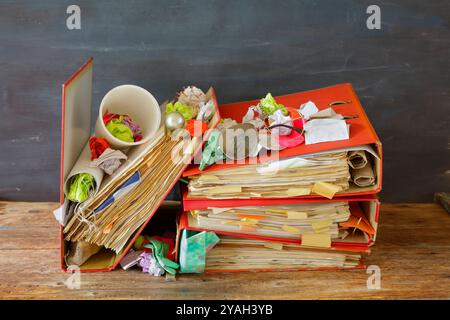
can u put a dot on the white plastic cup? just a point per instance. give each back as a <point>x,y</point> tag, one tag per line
<point>135,102</point>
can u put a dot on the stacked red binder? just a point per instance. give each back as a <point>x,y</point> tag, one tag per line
<point>310,212</point>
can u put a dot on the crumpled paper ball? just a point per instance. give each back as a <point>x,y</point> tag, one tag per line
<point>109,161</point>
<point>207,111</point>
<point>192,96</point>
<point>97,146</point>
<point>249,116</point>
<point>279,118</point>
<point>258,123</point>
<point>226,123</point>
<point>150,265</point>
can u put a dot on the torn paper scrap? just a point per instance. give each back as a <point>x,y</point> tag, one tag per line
<point>206,111</point>
<point>208,177</point>
<point>321,226</point>
<point>297,215</point>
<point>250,115</point>
<point>258,123</point>
<point>325,130</point>
<point>218,210</point>
<point>316,240</point>
<point>109,160</point>
<point>268,141</point>
<point>325,189</point>
<point>289,163</point>
<point>273,245</point>
<point>224,189</point>
<point>327,113</point>
<point>307,109</point>
<point>296,192</point>
<point>290,229</point>
<point>63,213</point>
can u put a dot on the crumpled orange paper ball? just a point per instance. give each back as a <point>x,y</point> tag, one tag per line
<point>97,146</point>
<point>196,127</point>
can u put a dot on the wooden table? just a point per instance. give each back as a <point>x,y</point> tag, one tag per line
<point>412,252</point>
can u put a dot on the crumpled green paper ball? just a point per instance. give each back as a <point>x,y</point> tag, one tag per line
<point>81,187</point>
<point>268,105</point>
<point>160,250</point>
<point>186,111</point>
<point>119,130</point>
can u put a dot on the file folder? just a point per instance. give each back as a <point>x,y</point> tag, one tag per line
<point>362,137</point>
<point>364,213</point>
<point>237,254</point>
<point>75,132</point>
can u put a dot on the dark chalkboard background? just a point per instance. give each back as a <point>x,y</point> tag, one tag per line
<point>244,49</point>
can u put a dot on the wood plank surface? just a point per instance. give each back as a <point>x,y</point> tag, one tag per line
<point>412,252</point>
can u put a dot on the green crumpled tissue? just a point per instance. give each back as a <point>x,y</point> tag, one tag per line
<point>119,130</point>
<point>193,248</point>
<point>211,152</point>
<point>268,105</point>
<point>81,187</point>
<point>186,111</point>
<point>160,249</point>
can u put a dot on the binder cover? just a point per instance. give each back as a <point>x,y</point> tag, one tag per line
<point>361,132</point>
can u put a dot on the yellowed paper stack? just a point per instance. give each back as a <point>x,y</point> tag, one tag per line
<point>113,227</point>
<point>158,165</point>
<point>289,221</point>
<point>281,179</point>
<point>324,174</point>
<point>238,254</point>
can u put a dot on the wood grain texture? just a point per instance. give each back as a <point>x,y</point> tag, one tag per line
<point>244,49</point>
<point>412,251</point>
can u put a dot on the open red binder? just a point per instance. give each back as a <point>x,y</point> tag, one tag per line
<point>75,132</point>
<point>362,133</point>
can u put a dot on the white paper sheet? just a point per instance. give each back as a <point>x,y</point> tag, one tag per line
<point>250,115</point>
<point>325,130</point>
<point>307,109</point>
<point>218,210</point>
<point>64,212</point>
<point>284,164</point>
<point>60,213</point>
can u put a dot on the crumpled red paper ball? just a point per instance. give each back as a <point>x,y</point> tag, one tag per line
<point>107,117</point>
<point>97,146</point>
<point>196,127</point>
